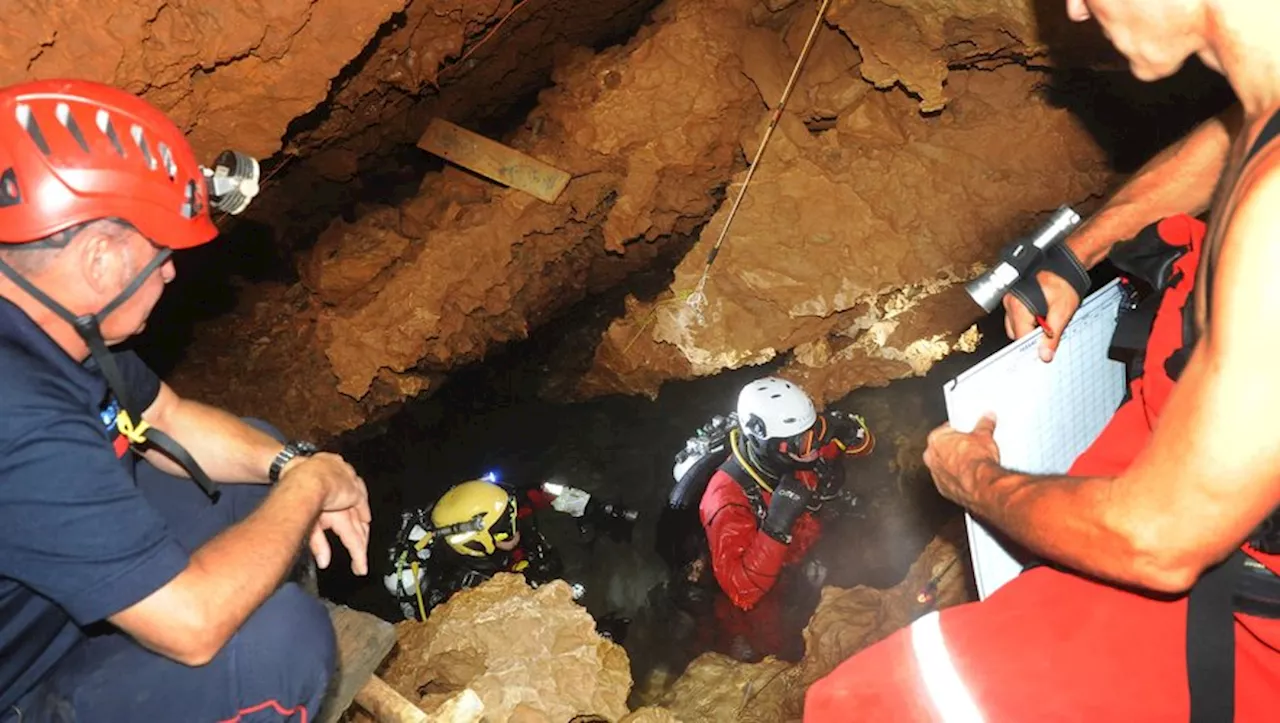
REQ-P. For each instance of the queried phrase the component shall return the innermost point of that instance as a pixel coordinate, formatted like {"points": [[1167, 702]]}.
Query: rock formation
{"points": [[408, 292], [916, 43], [557, 667], [863, 214], [530, 655], [232, 74], [851, 241]]}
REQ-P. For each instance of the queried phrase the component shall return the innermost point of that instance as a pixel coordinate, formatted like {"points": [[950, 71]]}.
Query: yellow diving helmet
{"points": [[464, 503]]}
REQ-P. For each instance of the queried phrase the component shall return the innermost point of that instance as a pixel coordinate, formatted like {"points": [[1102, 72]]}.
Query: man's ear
{"points": [[102, 260]]}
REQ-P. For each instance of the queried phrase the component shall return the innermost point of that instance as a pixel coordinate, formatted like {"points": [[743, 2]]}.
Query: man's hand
{"points": [[1063, 301], [955, 457], [345, 507], [351, 529]]}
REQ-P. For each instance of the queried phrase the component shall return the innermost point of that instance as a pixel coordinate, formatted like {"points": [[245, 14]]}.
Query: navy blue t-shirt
{"points": [[78, 542]]}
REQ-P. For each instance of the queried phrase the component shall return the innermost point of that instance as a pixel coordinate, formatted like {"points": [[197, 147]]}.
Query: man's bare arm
{"points": [[1211, 471], [194, 614], [227, 449], [1179, 179]]}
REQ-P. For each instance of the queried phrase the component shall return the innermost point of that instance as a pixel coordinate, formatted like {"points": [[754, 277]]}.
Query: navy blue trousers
{"points": [[275, 668]]}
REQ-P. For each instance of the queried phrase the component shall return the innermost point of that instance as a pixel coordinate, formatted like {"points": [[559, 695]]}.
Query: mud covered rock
{"points": [[530, 655], [534, 655], [853, 222], [231, 74], [650, 715], [716, 687], [647, 130], [851, 244], [915, 43]]}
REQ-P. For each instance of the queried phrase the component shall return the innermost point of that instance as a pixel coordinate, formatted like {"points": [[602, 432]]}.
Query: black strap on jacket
{"points": [[1211, 640], [129, 422], [738, 474], [1215, 597]]}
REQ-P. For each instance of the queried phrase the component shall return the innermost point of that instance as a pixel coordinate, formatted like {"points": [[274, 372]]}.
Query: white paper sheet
{"points": [[1046, 414]]}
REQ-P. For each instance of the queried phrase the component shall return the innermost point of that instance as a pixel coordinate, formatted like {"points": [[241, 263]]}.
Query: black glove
{"points": [[1060, 261], [840, 425], [830, 482], [850, 429], [790, 498]]}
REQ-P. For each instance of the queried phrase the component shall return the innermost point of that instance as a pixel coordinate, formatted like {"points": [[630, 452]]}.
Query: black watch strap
{"points": [[291, 450]]}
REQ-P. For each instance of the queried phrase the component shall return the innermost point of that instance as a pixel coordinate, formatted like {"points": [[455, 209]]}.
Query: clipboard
{"points": [[1046, 414]]}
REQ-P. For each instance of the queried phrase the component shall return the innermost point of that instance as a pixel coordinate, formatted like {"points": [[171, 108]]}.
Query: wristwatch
{"points": [[293, 449]]}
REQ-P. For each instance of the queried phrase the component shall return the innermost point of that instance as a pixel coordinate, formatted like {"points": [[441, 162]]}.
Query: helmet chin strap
{"points": [[129, 422], [764, 462]]}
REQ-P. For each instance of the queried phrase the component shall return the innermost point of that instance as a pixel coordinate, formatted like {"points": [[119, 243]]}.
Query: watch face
{"points": [[305, 448]]}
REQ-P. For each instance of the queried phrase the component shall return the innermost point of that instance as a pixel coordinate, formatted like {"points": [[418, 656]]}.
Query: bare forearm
{"points": [[238, 570], [1079, 522], [228, 450], [1180, 179]]}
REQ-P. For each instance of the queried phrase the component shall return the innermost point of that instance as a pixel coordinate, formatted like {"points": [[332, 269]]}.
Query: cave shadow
{"points": [[207, 286], [1130, 119]]}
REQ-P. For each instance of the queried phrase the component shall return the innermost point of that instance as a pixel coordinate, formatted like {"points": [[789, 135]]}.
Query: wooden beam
{"points": [[386, 705], [493, 160], [364, 641]]}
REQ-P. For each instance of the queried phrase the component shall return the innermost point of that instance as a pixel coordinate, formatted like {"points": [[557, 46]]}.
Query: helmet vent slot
{"points": [[10, 194], [189, 207], [28, 121], [140, 138], [63, 113], [108, 129], [166, 157]]}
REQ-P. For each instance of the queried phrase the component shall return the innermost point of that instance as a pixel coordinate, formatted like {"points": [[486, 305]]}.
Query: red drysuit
{"points": [[745, 560], [1051, 646]]}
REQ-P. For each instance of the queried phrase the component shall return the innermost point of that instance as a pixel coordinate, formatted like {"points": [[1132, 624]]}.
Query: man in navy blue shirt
{"points": [[126, 592]]}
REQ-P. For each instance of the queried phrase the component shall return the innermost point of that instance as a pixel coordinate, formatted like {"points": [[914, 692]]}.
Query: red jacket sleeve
{"points": [[537, 499], [745, 560]]}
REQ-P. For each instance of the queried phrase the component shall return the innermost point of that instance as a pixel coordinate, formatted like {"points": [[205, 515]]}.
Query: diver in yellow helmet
{"points": [[496, 509], [481, 527]]}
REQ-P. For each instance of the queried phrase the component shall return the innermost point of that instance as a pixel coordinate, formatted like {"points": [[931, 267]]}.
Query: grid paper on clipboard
{"points": [[1046, 414]]}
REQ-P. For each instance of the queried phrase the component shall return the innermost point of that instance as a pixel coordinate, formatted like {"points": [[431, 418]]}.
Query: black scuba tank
{"points": [[694, 465], [680, 536]]}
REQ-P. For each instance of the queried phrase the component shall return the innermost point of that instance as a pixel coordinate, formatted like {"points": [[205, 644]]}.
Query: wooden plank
{"points": [[493, 160], [386, 705], [364, 641]]}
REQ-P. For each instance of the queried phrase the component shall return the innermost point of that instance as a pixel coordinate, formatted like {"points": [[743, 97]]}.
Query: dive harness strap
{"points": [[1239, 584], [1211, 640], [743, 477], [129, 422]]}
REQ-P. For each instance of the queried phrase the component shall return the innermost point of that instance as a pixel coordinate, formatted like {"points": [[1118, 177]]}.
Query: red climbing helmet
{"points": [[73, 151]]}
